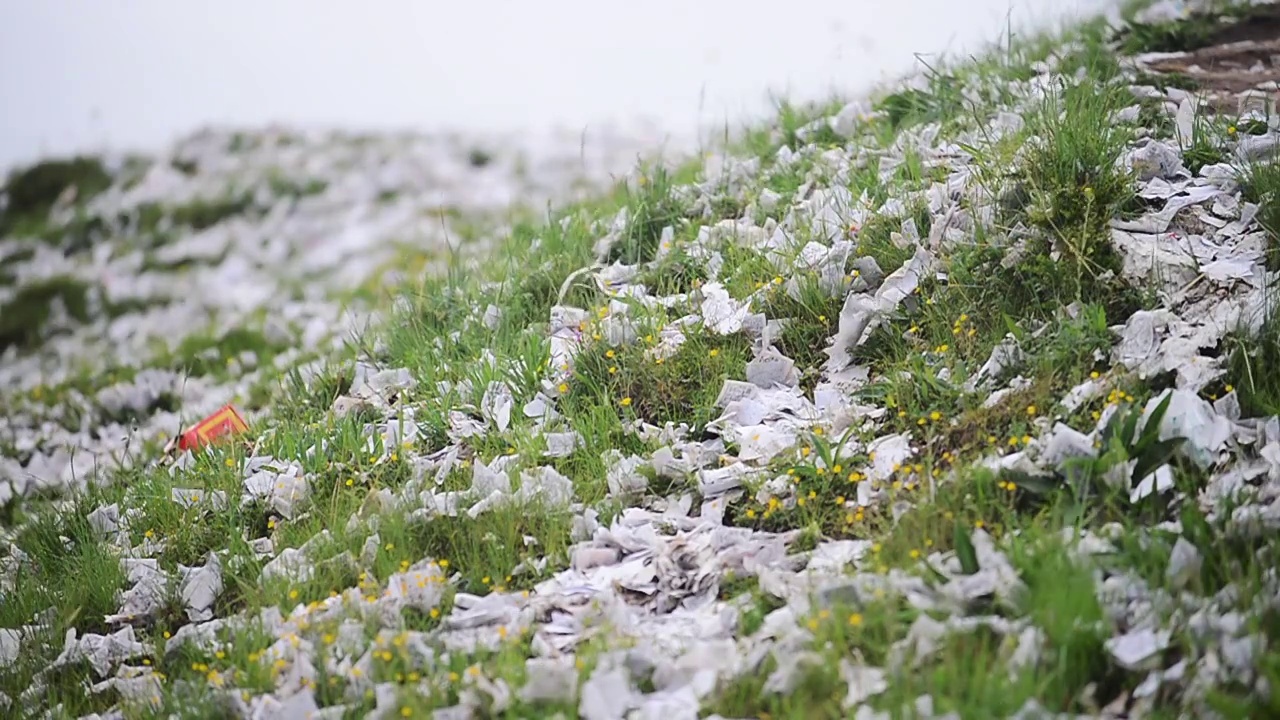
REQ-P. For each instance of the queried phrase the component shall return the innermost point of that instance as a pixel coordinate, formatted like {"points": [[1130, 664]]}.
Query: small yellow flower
{"points": [[1231, 130], [613, 369], [293, 594], [564, 388], [915, 554], [1094, 375], [350, 482], [1031, 409], [1229, 387], [626, 402], [230, 462], [390, 546], [609, 354], [714, 352], [979, 525], [935, 416], [444, 563]]}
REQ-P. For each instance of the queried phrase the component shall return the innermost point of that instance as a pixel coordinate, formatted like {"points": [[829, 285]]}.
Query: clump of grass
{"points": [[1206, 146], [23, 318], [939, 100], [31, 192], [637, 383], [202, 214], [1198, 30], [1249, 364], [1260, 183], [1076, 186], [199, 355], [651, 206], [677, 272]]}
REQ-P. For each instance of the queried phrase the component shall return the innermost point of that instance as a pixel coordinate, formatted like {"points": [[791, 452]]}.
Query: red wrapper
{"points": [[226, 421]]}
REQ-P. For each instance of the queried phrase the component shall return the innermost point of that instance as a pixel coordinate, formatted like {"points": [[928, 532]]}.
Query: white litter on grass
{"points": [[282, 486], [649, 584]]}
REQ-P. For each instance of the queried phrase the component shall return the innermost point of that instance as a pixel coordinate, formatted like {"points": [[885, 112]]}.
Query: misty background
{"points": [[136, 74]]}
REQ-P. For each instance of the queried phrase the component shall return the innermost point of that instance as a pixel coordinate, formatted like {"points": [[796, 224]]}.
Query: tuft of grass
{"points": [[1209, 25], [1075, 186], [31, 192], [651, 207], [202, 214], [1248, 361], [24, 316], [1260, 183], [939, 100], [637, 382]]}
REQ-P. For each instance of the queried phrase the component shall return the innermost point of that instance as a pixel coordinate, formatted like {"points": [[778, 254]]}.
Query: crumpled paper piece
{"points": [[148, 594], [282, 485], [200, 588], [101, 651], [861, 312]]}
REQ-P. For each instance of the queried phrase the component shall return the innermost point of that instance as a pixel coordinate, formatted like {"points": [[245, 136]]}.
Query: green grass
{"points": [[23, 317], [1194, 31], [32, 191], [1055, 292]]}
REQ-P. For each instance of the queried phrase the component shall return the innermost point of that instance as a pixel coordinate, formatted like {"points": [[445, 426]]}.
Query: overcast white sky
{"points": [[75, 74]]}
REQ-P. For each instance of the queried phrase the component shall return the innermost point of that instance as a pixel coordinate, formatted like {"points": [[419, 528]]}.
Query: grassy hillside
{"points": [[959, 398]]}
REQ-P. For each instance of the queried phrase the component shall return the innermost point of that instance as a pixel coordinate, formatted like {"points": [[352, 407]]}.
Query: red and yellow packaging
{"points": [[225, 421]]}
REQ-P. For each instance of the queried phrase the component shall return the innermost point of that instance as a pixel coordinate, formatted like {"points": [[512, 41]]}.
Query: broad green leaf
{"points": [[1155, 456], [965, 551]]}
